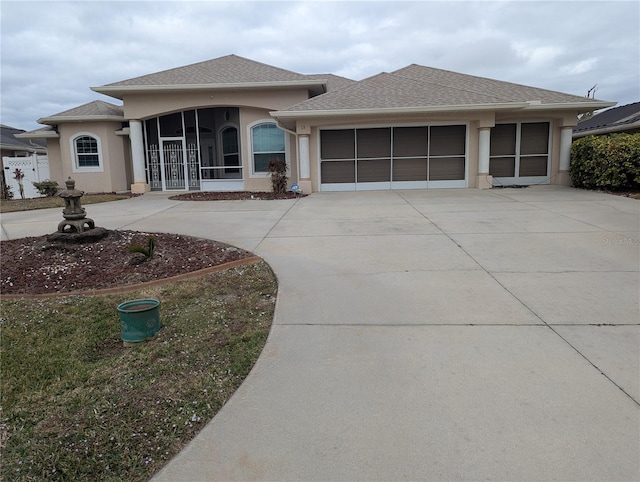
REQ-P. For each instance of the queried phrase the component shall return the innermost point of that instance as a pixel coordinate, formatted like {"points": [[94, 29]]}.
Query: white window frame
{"points": [[262, 175], [74, 154]]}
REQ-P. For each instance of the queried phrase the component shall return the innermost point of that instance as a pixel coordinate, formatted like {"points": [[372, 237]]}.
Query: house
{"points": [[11, 146], [26, 155], [215, 125], [625, 118]]}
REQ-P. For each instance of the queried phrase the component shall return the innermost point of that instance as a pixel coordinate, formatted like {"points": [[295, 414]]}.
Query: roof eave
{"points": [[607, 129], [38, 135], [580, 106], [284, 114], [118, 91], [54, 120]]}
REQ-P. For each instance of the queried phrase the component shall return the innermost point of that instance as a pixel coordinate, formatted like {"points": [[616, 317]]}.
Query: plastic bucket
{"points": [[139, 319]]}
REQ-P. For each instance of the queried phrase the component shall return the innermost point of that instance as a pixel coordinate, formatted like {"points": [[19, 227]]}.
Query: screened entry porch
{"points": [[193, 150]]}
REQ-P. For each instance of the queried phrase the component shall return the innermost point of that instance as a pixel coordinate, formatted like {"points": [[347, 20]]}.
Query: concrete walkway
{"points": [[424, 335]]}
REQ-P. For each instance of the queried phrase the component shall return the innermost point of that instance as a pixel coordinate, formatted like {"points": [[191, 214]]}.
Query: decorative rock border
{"points": [[128, 288]]}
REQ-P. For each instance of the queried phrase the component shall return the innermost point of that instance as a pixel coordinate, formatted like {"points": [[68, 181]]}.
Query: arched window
{"points": [[86, 152], [267, 142], [230, 151]]}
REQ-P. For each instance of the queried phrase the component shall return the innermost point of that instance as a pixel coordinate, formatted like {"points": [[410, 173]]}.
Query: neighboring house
{"points": [[625, 118], [215, 125], [13, 148]]}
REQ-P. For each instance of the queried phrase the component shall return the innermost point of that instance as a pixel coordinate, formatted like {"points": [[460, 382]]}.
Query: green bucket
{"points": [[139, 319]]}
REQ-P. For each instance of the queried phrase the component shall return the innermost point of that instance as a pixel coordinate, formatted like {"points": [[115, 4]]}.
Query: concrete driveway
{"points": [[424, 335]]}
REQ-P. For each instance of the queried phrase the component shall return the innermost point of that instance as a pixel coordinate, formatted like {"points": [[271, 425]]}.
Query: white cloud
{"points": [[50, 60]]}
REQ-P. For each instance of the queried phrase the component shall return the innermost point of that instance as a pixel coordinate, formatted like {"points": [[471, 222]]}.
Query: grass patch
{"points": [[13, 205], [79, 405]]}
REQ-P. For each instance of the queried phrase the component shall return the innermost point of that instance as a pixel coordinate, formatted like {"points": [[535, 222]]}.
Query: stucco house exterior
{"points": [[215, 125]]}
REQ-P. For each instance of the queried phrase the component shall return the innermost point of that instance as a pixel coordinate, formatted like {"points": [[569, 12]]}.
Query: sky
{"points": [[53, 52]]}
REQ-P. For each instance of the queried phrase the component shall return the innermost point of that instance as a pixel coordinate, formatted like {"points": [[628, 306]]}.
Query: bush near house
{"points": [[606, 162], [47, 188]]}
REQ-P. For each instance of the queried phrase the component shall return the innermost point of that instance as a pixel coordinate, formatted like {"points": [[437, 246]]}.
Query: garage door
{"points": [[520, 153], [413, 157]]}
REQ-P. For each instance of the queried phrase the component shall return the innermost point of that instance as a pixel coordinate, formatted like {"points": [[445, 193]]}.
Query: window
{"points": [[268, 143], [86, 152]]}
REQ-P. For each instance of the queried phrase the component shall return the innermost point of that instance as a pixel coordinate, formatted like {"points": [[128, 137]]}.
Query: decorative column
{"points": [[304, 162], [139, 185], [484, 180], [566, 133]]}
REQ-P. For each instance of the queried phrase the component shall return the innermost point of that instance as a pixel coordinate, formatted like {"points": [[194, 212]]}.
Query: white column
{"points": [[137, 156], [565, 147], [303, 152], [484, 142]]}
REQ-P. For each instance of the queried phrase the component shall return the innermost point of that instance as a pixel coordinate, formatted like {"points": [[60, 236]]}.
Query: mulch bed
{"points": [[233, 196], [35, 265]]}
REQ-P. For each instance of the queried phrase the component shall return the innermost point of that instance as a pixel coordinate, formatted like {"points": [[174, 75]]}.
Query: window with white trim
{"points": [[267, 143], [87, 153]]}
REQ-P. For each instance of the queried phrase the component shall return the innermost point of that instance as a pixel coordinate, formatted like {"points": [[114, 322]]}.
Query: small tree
{"points": [[278, 174], [18, 175]]}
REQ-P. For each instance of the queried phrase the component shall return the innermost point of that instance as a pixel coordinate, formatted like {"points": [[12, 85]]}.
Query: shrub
{"points": [[606, 162], [46, 188], [278, 174], [148, 251]]}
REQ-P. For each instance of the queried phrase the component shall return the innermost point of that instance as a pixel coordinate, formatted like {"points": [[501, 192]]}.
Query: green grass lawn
{"points": [[13, 205], [79, 405]]}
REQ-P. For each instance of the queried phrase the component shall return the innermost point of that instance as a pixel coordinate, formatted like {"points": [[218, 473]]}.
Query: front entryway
{"points": [[193, 150]]}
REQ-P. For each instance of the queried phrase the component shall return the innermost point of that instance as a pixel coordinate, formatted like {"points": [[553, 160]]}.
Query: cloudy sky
{"points": [[54, 51]]}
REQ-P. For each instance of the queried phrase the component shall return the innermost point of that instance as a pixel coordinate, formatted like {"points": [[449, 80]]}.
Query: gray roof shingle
{"points": [[94, 108], [9, 142], [230, 69], [618, 117], [416, 86]]}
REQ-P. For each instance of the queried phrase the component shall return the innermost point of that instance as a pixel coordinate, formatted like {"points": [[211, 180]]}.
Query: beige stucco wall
{"points": [[261, 182], [143, 106], [55, 162], [113, 176]]}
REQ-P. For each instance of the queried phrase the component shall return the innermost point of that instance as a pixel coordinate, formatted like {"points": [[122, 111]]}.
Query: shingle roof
{"points": [[230, 69], [416, 86], [506, 91], [616, 119], [334, 82], [9, 142], [385, 91], [96, 109]]}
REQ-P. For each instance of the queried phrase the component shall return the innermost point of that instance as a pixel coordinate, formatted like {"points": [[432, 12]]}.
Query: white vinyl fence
{"points": [[35, 169]]}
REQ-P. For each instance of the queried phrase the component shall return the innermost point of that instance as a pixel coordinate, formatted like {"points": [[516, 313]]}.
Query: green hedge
{"points": [[606, 162]]}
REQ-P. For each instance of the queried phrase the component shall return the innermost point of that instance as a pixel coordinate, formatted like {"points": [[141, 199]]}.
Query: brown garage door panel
{"points": [[335, 172], [410, 169], [502, 167], [374, 170], [446, 169], [533, 166]]}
